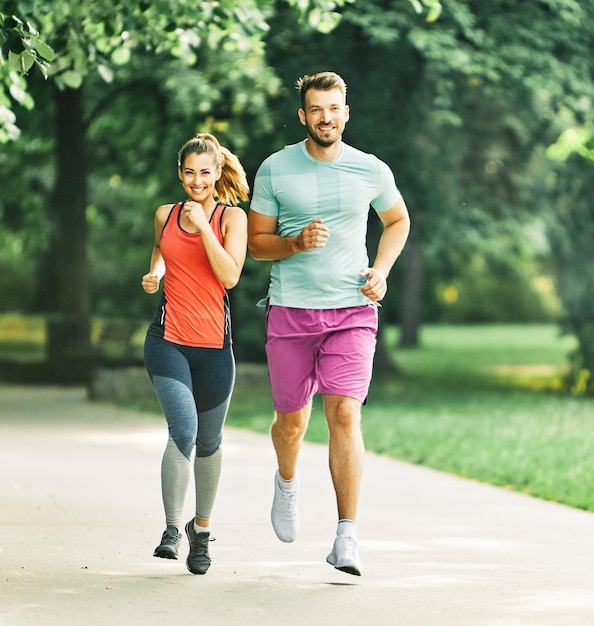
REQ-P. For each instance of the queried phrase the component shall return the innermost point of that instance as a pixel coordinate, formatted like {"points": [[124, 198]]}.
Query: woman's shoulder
{"points": [[163, 212], [234, 216], [166, 208], [233, 212]]}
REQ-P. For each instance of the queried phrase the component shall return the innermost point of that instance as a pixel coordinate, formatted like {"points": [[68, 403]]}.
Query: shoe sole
{"points": [[346, 568], [349, 569], [166, 554], [201, 573]]}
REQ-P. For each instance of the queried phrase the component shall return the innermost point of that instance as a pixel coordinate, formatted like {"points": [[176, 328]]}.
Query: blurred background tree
{"points": [[91, 40], [464, 108]]}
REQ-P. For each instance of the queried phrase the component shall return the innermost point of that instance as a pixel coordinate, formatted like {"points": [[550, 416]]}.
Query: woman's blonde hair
{"points": [[232, 186]]}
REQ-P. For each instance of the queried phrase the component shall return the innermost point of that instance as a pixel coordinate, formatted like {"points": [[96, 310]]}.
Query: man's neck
{"points": [[323, 153]]}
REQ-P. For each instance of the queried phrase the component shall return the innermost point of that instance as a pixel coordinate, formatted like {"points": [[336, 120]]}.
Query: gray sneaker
{"points": [[345, 555], [284, 515], [169, 546], [198, 560]]}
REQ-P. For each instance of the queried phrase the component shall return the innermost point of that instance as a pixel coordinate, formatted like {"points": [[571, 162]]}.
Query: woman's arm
{"points": [[227, 260], [150, 281]]}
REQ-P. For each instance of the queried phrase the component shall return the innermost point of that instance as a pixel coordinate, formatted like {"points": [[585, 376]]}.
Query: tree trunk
{"points": [[411, 294], [383, 363], [69, 344]]}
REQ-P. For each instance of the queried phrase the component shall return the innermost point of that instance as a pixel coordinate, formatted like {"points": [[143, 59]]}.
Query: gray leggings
{"points": [[194, 387]]}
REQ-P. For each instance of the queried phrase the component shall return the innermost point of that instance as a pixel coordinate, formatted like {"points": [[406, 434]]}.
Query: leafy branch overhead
{"points": [[67, 40], [21, 49]]}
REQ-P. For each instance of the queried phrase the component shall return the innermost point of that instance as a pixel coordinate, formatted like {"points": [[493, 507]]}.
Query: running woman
{"points": [[200, 248]]}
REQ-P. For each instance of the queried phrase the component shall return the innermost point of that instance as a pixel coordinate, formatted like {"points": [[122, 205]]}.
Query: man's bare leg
{"points": [[346, 453], [287, 433]]}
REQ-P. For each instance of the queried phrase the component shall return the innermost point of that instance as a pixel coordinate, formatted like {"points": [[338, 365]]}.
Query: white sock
{"points": [[346, 527], [201, 529], [287, 485]]}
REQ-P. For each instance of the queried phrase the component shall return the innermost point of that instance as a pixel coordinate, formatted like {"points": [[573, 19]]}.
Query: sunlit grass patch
{"points": [[22, 338], [20, 328], [543, 377]]}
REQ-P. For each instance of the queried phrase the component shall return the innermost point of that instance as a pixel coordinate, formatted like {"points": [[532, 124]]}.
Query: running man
{"points": [[309, 215]]}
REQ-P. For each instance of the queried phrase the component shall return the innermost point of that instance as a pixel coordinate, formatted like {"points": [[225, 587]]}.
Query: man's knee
{"points": [[342, 412], [291, 425]]}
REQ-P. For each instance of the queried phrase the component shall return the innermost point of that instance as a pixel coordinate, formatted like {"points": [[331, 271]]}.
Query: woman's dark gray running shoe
{"points": [[198, 560], [169, 546]]}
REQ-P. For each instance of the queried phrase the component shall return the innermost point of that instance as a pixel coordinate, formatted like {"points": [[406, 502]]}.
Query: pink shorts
{"points": [[329, 351]]}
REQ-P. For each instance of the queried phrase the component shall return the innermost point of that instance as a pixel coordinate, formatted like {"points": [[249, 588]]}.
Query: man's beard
{"points": [[324, 143]]}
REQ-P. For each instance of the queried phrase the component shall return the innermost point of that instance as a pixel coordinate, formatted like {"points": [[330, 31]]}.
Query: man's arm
{"points": [[265, 245], [396, 223]]}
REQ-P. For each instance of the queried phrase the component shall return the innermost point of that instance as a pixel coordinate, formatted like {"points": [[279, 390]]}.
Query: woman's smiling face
{"points": [[199, 174]]}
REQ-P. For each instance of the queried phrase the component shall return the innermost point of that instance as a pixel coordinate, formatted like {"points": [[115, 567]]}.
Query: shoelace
{"points": [[199, 545], [288, 497], [169, 535], [350, 547]]}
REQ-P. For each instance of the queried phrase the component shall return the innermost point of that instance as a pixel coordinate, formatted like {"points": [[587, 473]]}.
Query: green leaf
{"points": [[26, 61], [43, 67], [417, 6], [71, 79], [120, 56], [14, 59], [323, 22], [434, 12], [17, 92], [106, 73], [44, 50]]}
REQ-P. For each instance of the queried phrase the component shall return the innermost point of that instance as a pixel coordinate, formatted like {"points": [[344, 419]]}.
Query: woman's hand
{"points": [[150, 283], [194, 213]]}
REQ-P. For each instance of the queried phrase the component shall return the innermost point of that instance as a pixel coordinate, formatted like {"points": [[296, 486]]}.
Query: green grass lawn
{"points": [[479, 401], [482, 402]]}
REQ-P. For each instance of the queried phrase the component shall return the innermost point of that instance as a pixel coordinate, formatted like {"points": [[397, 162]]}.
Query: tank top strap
{"points": [[216, 220], [173, 216], [218, 211]]}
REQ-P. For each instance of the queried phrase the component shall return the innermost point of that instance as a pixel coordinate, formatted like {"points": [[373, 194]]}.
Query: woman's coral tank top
{"points": [[195, 309]]}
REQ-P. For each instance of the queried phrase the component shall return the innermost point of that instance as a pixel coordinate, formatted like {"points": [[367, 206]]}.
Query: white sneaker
{"points": [[345, 555], [284, 515]]}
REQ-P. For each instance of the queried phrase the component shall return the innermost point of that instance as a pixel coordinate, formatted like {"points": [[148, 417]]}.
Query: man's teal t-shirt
{"points": [[296, 189]]}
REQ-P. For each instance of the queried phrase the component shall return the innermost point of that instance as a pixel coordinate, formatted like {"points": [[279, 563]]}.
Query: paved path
{"points": [[80, 514]]}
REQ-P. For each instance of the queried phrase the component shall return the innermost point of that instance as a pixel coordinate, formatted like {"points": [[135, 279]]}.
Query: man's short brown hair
{"points": [[322, 81]]}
